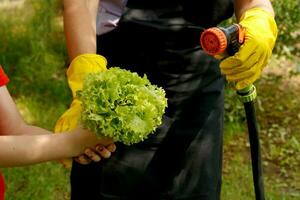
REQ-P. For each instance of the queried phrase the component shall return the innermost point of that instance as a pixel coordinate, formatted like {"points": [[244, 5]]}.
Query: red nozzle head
{"points": [[213, 41]]}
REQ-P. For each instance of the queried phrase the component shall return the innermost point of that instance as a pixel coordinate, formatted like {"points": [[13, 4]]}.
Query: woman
{"points": [[183, 159]]}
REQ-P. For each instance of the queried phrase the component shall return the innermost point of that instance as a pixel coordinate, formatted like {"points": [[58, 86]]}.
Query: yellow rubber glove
{"points": [[78, 69], [246, 65]]}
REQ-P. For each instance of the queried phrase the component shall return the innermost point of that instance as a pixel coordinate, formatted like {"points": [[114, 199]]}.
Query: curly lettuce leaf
{"points": [[122, 105]]}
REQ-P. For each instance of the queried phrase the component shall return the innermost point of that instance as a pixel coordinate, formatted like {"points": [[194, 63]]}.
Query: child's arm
{"points": [[31, 149], [11, 121], [24, 144]]}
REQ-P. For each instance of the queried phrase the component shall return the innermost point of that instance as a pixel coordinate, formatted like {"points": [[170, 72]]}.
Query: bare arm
{"points": [[80, 26], [32, 149], [241, 6], [11, 121]]}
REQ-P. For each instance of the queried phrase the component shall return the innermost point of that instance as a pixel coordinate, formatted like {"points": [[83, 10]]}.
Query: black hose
{"points": [[255, 150]]}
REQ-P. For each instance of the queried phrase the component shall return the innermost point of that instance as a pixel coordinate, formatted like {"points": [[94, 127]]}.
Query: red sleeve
{"points": [[3, 77], [2, 187]]}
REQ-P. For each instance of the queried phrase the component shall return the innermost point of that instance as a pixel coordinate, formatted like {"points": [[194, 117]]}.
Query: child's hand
{"points": [[96, 154], [91, 147]]}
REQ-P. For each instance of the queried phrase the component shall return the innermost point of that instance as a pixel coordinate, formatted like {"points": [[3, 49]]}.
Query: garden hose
{"points": [[227, 41]]}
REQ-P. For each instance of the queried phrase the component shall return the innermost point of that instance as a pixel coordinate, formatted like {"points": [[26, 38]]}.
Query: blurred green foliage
{"points": [[288, 22]]}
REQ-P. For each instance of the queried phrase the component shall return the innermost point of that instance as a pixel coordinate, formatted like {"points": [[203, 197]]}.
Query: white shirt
{"points": [[109, 14]]}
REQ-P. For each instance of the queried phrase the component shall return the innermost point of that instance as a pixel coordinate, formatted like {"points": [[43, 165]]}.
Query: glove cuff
{"points": [[261, 13], [255, 11], [81, 66]]}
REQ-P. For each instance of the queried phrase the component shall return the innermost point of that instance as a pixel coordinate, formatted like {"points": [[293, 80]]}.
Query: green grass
{"points": [[237, 175], [48, 181]]}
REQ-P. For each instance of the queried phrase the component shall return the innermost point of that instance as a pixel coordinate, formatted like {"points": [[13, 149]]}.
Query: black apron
{"points": [[183, 158]]}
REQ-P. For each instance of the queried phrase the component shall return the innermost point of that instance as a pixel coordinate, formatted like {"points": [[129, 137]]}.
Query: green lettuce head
{"points": [[121, 105]]}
